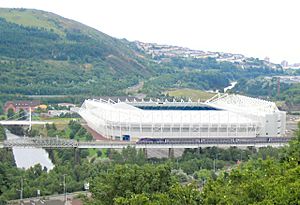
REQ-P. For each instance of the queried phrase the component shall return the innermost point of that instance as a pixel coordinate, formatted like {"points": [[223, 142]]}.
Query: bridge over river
{"points": [[160, 144]]}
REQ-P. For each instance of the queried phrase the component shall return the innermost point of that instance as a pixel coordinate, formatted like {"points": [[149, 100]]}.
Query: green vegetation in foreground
{"points": [[193, 94], [2, 133], [272, 179], [128, 178]]}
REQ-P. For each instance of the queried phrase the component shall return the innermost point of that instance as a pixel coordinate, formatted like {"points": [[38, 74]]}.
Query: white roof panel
{"points": [[124, 113]]}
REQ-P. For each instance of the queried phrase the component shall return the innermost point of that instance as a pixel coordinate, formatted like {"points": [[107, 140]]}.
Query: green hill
{"points": [[42, 53]]}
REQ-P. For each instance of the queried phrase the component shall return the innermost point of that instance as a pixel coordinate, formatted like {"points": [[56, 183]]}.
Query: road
{"points": [[60, 197]]}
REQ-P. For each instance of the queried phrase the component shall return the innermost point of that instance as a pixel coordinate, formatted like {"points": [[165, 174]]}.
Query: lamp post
{"points": [[241, 155], [214, 165], [21, 190], [214, 162], [65, 188]]}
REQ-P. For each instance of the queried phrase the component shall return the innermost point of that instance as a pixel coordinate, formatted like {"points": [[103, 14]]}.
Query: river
{"points": [[28, 157], [232, 84]]}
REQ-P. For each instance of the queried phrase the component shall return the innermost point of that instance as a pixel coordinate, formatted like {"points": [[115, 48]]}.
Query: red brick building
{"points": [[18, 105]]}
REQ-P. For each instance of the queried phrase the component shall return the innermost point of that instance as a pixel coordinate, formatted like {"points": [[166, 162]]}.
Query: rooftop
{"points": [[23, 103], [126, 113]]}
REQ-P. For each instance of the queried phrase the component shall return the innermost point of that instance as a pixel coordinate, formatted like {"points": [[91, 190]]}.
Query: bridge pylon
{"points": [[171, 153], [76, 155]]}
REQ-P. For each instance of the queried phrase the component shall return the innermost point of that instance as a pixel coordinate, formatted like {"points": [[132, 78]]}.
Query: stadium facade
{"points": [[223, 116]]}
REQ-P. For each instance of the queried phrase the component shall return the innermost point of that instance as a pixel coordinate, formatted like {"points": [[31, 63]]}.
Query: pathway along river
{"points": [[28, 157]]}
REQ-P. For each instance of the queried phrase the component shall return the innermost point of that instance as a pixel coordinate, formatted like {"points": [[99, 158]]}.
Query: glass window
{"points": [[203, 129], [175, 129], [146, 129], [185, 129], [166, 129]]}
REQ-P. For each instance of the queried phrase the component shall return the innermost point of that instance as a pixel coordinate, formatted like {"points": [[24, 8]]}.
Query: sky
{"points": [[255, 28]]}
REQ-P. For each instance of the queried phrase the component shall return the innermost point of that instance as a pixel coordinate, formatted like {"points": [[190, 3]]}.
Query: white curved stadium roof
{"points": [[126, 113]]}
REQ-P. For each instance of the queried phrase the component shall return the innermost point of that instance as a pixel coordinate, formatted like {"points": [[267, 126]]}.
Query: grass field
{"points": [[60, 123], [190, 93], [32, 18]]}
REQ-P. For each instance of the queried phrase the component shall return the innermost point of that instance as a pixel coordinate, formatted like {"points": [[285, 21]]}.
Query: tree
{"points": [[259, 181], [1, 108], [293, 152], [22, 114], [2, 133], [176, 195], [99, 153], [10, 113], [185, 195], [126, 180]]}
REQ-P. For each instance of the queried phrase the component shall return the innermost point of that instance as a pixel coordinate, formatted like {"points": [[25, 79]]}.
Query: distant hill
{"points": [[52, 37], [165, 52], [42, 53]]}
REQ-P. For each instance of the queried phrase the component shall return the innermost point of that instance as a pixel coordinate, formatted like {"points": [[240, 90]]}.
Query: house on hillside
{"points": [[16, 106]]}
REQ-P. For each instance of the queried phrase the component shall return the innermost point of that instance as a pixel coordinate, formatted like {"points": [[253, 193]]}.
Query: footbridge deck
{"points": [[24, 122]]}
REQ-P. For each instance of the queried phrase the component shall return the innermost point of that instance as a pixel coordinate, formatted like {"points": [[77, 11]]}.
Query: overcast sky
{"points": [[257, 28]]}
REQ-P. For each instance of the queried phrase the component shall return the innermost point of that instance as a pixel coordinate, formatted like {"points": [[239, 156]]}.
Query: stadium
{"points": [[223, 116]]}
